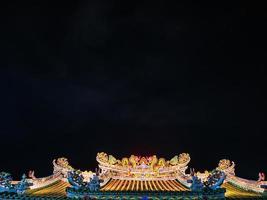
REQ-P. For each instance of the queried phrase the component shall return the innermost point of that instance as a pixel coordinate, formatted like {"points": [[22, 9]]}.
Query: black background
{"points": [[135, 77]]}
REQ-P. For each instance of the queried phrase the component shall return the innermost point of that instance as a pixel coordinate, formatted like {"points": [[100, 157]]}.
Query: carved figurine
{"points": [[76, 179], [213, 182], [94, 184], [215, 179]]}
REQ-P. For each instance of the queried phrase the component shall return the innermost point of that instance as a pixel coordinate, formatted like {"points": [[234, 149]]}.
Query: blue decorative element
{"points": [[94, 184], [5, 183], [205, 194], [76, 180], [7, 186], [196, 185], [23, 185], [215, 179], [144, 198]]}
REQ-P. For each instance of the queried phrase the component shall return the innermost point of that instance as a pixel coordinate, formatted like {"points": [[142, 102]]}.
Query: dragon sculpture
{"points": [[103, 157], [142, 167], [125, 162], [133, 160], [226, 166], [64, 163], [152, 161], [182, 159], [62, 166]]}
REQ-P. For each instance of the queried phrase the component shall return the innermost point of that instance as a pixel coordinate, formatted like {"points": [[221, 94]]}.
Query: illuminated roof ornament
{"points": [[134, 177], [140, 168], [227, 166]]}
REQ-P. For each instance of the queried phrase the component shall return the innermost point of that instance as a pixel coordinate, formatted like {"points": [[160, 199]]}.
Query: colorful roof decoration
{"points": [[143, 168], [135, 177]]}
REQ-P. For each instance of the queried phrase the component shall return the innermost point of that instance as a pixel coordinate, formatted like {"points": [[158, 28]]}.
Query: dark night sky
{"points": [[147, 78]]}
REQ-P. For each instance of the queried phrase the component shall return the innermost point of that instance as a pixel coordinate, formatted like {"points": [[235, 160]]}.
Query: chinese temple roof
{"points": [[57, 190], [136, 177]]}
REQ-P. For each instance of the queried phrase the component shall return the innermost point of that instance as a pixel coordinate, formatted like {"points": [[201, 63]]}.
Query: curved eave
{"points": [[233, 192], [57, 190], [138, 185]]}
